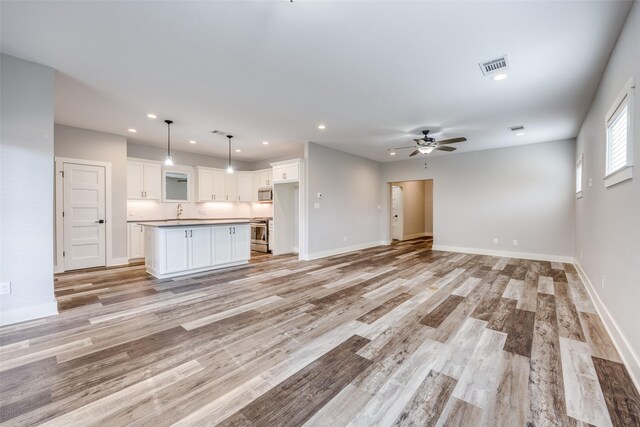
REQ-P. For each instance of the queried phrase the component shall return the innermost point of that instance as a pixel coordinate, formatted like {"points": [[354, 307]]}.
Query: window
{"points": [[579, 179], [620, 138]]}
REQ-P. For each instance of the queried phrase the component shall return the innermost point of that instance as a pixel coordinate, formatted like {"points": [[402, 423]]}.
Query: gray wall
{"points": [[608, 219], [26, 189], [349, 206], [266, 164], [149, 152], [104, 147], [523, 193]]}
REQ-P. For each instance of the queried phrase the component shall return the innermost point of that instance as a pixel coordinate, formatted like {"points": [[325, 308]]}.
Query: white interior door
{"points": [[84, 216], [396, 213]]}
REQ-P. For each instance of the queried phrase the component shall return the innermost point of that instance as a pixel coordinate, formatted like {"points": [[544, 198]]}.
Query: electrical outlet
{"points": [[495, 241], [602, 282], [515, 242], [5, 288], [345, 238]]}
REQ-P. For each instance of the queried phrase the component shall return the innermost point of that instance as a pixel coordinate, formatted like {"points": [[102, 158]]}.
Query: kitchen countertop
{"points": [[187, 222]]}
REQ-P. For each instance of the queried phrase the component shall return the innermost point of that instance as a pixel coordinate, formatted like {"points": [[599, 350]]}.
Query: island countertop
{"points": [[192, 222]]}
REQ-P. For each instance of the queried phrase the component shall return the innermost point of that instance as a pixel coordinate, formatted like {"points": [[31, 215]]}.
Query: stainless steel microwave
{"points": [[265, 194]]}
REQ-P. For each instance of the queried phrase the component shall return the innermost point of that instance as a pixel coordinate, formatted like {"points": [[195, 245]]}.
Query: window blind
{"points": [[617, 141]]}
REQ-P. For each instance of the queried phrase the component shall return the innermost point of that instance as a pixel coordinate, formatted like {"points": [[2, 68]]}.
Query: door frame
{"points": [[58, 266], [401, 213]]}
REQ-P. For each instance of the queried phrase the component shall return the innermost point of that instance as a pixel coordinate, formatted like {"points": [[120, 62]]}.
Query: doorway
{"points": [[397, 217], [84, 216], [411, 210]]}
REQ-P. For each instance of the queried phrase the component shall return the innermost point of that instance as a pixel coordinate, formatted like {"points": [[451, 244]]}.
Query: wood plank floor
{"points": [[393, 335]]}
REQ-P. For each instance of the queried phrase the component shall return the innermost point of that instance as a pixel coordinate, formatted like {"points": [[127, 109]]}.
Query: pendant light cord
{"points": [[168, 122], [229, 136]]}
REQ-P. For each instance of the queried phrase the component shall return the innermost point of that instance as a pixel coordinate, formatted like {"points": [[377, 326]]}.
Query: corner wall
{"points": [[608, 219], [350, 204], [26, 190], [522, 193]]}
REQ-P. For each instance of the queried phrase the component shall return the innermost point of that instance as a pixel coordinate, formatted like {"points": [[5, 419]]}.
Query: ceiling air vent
{"points": [[516, 128], [494, 66]]}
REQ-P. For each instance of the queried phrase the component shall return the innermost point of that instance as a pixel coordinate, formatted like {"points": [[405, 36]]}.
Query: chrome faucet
{"points": [[179, 210]]}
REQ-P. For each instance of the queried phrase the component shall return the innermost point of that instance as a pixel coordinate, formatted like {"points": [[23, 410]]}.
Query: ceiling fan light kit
{"points": [[427, 144]]}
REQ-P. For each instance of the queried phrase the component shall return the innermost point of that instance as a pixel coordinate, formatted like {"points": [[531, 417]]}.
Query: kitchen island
{"points": [[176, 248]]}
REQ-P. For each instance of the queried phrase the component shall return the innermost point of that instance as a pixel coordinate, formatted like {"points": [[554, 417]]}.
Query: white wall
{"points": [[349, 207], [87, 144], [608, 219], [523, 193], [26, 190]]}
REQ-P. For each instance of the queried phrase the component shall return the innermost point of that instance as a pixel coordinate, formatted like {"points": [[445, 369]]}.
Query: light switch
{"points": [[316, 206]]}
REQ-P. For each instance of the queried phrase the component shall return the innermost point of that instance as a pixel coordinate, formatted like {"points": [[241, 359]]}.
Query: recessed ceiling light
{"points": [[192, 142], [265, 142], [238, 150], [499, 77], [152, 116], [519, 133], [132, 130], [393, 153], [321, 127]]}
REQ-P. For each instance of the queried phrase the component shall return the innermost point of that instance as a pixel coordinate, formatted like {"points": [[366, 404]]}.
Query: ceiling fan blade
{"points": [[452, 140], [446, 148], [414, 153], [404, 148], [419, 140]]}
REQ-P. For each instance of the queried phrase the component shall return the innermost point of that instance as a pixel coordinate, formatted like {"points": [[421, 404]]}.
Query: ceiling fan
{"points": [[427, 144]]}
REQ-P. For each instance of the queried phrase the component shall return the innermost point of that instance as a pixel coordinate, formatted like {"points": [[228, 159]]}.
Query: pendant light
{"points": [[229, 167], [169, 160]]}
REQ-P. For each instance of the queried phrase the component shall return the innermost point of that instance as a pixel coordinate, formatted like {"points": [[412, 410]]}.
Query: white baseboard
{"points": [[117, 261], [343, 250], [507, 254], [630, 359], [8, 317]]}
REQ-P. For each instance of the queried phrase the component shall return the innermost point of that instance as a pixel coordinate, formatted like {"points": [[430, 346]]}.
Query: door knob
{"points": [[100, 221]]}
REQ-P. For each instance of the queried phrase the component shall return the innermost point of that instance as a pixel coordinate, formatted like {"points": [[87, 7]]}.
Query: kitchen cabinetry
{"points": [[286, 171], [214, 185], [135, 240], [244, 187], [173, 250], [144, 180]]}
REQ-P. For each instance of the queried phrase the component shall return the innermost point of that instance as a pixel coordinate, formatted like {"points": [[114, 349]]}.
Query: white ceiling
{"points": [[373, 72]]}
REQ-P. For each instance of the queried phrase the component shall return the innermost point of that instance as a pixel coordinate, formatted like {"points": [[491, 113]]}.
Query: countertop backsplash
{"points": [[141, 210]]}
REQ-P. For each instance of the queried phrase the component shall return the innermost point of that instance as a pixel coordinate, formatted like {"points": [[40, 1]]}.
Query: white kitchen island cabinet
{"points": [[176, 248]]}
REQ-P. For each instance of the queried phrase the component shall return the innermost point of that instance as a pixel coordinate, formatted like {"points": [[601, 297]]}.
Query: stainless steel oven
{"points": [[260, 235]]}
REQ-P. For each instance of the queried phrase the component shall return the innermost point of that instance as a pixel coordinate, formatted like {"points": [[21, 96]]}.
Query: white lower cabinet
{"points": [[135, 241], [172, 251]]}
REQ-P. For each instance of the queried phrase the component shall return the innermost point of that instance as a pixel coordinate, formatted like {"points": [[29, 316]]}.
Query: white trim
{"points": [[626, 94], [343, 250], [619, 340], [507, 254], [23, 314], [59, 205], [623, 174]]}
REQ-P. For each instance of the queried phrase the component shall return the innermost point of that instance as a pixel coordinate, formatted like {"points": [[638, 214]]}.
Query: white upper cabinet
{"points": [[219, 186], [231, 186], [286, 171], [244, 181], [144, 180], [204, 182]]}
